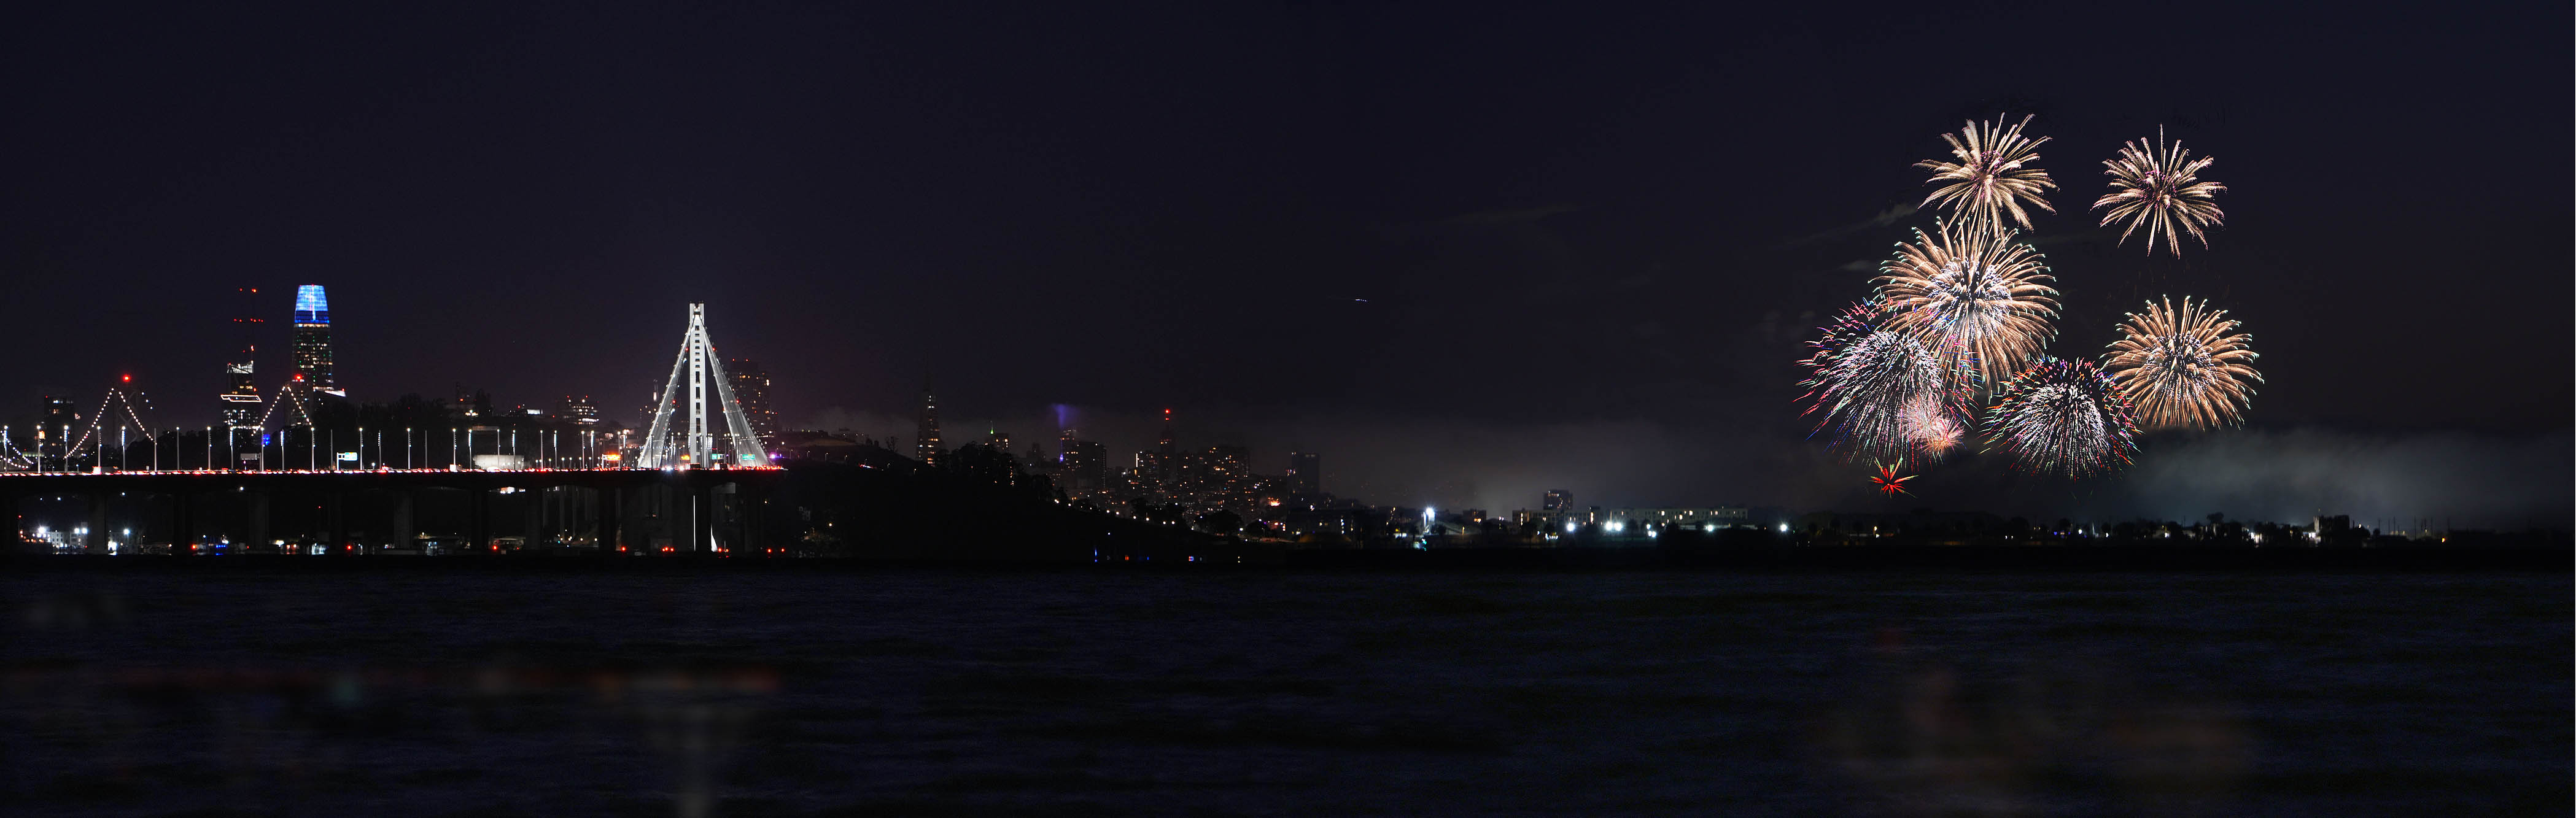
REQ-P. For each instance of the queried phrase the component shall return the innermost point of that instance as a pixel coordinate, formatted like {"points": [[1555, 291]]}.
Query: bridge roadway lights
{"points": [[693, 509]]}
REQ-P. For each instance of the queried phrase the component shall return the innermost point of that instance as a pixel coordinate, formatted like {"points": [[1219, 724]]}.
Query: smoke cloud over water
{"points": [[2391, 481], [2396, 481], [2448, 479]]}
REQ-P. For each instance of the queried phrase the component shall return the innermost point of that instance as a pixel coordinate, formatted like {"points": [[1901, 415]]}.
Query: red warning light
{"points": [[129, 379]]}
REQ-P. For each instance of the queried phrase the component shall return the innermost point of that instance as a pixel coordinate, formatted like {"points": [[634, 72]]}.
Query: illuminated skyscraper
{"points": [[1082, 465], [1167, 454], [54, 433], [1162, 464], [241, 401], [1305, 473], [925, 442], [751, 389], [241, 398], [313, 340]]}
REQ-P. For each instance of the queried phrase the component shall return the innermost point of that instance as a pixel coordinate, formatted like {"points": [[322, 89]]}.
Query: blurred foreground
{"points": [[1283, 692]]}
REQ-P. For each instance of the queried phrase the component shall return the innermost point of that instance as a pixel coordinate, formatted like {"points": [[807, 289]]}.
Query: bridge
{"points": [[609, 511], [682, 488]]}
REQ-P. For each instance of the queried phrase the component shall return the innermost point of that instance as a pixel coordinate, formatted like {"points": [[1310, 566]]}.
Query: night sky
{"points": [[1467, 253]]}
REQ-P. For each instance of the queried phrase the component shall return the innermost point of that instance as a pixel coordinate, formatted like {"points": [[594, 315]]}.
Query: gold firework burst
{"points": [[2158, 187], [1978, 294], [1993, 176], [2183, 366]]}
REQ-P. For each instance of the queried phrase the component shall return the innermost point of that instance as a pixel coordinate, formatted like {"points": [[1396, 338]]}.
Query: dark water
{"points": [[1284, 693]]}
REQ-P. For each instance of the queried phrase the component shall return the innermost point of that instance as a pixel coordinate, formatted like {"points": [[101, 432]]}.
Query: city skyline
{"points": [[311, 355], [1561, 275], [1299, 408]]}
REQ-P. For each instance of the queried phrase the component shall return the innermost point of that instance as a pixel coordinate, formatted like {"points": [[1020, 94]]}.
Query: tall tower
{"points": [[668, 448], [1167, 455], [240, 401], [925, 441], [313, 341]]}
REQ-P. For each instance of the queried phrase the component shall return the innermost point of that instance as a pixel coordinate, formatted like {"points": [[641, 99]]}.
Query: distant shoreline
{"points": [[2537, 557]]}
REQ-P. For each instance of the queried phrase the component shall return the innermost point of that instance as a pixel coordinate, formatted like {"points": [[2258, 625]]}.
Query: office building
{"points": [[240, 398], [577, 410], [54, 434], [1085, 468], [1305, 473], [751, 392]]}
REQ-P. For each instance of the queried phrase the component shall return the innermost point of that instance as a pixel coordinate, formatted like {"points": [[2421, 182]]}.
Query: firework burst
{"points": [[1933, 427], [1982, 295], [1888, 483], [2065, 417], [2158, 187], [2183, 366], [1993, 177], [1873, 384]]}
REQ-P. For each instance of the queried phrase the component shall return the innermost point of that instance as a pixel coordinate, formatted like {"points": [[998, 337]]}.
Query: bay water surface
{"points": [[1079, 692]]}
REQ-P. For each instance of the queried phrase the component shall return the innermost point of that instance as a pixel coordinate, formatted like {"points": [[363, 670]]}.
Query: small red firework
{"points": [[1890, 484]]}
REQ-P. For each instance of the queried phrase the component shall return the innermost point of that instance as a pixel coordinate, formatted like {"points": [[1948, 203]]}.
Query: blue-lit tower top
{"points": [[314, 369], [311, 308]]}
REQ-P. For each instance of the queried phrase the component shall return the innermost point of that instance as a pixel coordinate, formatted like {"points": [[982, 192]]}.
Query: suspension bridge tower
{"points": [[669, 447]]}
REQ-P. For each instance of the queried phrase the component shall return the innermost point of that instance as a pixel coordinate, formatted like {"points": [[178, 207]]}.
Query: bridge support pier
{"points": [[405, 533], [612, 520], [17, 524], [478, 523], [183, 523], [96, 541], [339, 521], [532, 516], [255, 507], [702, 524]]}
